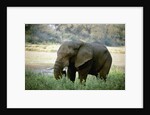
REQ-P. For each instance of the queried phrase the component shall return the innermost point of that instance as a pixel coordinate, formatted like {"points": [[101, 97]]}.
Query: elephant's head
{"points": [[68, 50]]}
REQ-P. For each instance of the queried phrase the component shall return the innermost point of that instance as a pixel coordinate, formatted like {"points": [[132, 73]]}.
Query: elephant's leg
{"points": [[103, 75], [96, 75], [105, 69], [82, 77], [71, 73], [83, 73]]}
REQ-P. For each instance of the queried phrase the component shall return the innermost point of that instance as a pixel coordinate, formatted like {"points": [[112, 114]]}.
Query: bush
{"points": [[40, 81]]}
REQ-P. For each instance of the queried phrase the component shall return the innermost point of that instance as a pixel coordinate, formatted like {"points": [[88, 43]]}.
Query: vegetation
{"points": [[40, 81], [108, 34], [51, 47]]}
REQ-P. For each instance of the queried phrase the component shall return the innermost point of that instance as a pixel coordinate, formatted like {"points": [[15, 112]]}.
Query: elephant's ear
{"points": [[84, 54]]}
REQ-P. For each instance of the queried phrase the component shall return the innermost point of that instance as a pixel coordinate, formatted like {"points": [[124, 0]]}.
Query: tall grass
{"points": [[40, 81]]}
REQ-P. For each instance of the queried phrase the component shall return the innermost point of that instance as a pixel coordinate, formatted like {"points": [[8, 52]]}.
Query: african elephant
{"points": [[85, 58]]}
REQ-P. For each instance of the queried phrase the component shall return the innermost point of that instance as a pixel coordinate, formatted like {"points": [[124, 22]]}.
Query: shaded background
{"points": [[108, 34]]}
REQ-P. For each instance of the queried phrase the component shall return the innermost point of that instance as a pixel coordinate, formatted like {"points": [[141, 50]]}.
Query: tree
{"points": [[109, 34]]}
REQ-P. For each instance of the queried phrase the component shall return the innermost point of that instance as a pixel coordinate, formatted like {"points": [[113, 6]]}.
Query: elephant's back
{"points": [[99, 48]]}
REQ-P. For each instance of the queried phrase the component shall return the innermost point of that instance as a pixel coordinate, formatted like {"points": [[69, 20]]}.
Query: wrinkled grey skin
{"points": [[85, 58]]}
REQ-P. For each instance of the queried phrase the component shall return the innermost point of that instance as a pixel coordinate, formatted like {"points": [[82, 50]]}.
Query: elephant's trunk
{"points": [[58, 68]]}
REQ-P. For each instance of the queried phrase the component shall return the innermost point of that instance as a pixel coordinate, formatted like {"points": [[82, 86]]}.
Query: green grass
{"points": [[40, 81]]}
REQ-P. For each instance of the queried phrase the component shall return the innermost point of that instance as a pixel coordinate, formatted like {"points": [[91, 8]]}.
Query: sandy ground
{"points": [[43, 61]]}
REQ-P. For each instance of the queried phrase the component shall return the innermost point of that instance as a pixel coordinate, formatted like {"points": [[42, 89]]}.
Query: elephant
{"points": [[82, 57]]}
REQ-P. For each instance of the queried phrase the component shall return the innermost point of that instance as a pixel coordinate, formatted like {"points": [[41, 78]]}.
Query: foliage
{"points": [[40, 81], [109, 34]]}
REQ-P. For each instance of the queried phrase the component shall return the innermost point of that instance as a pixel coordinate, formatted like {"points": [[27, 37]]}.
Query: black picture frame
{"points": [[108, 3]]}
